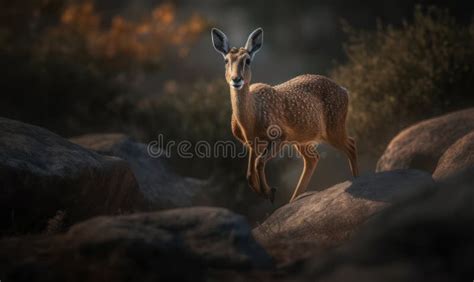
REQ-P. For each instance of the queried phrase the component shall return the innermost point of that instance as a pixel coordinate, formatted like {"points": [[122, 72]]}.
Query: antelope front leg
{"points": [[310, 158], [252, 176], [268, 153]]}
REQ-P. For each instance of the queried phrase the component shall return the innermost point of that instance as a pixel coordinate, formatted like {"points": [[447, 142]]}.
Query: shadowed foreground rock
{"points": [[174, 245], [428, 237], [42, 173], [457, 158], [159, 185], [329, 217], [420, 146]]}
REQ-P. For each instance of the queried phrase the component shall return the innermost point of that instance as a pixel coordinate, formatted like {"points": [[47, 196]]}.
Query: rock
{"points": [[330, 217], [173, 245], [158, 183], [42, 173], [457, 158], [426, 237], [421, 145]]}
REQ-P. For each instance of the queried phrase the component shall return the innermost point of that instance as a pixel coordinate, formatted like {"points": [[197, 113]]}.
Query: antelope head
{"points": [[237, 60]]}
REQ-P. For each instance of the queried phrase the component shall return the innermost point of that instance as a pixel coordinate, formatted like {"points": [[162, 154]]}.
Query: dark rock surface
{"points": [[42, 173], [420, 146], [427, 237], [174, 245], [331, 216], [158, 183]]}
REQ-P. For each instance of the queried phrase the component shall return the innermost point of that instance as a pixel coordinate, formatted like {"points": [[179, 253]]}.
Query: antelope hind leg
{"points": [[310, 158]]}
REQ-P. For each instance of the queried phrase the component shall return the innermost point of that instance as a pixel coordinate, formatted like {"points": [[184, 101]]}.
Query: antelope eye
{"points": [[247, 61], [226, 61]]}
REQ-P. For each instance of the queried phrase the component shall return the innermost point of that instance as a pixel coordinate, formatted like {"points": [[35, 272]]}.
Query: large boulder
{"points": [[158, 183], [426, 237], [457, 158], [421, 145], [329, 217], [173, 245], [42, 174]]}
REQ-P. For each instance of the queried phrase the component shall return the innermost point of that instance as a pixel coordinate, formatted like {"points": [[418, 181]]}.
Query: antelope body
{"points": [[305, 110]]}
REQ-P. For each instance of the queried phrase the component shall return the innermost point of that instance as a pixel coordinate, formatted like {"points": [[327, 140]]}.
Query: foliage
{"points": [[57, 94], [200, 111], [68, 65], [194, 113], [121, 44], [397, 76]]}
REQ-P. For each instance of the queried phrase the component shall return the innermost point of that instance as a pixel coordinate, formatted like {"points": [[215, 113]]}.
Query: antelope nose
{"points": [[236, 79]]}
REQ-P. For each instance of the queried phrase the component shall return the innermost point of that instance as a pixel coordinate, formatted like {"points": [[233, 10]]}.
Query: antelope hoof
{"points": [[255, 188], [249, 182]]}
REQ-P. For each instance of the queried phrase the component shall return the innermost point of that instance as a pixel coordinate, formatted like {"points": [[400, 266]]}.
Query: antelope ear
{"points": [[254, 42], [220, 42]]}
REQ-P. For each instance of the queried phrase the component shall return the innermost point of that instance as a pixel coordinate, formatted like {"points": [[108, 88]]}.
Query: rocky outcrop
{"points": [[42, 173], [457, 158], [427, 237], [421, 145], [331, 216], [174, 245], [158, 183]]}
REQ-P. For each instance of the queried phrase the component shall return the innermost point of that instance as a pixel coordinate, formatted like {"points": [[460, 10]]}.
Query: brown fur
{"points": [[303, 110]]}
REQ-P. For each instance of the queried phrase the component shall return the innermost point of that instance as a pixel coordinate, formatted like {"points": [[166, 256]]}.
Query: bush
{"points": [[200, 111], [55, 93], [397, 76], [121, 44], [68, 67], [194, 113]]}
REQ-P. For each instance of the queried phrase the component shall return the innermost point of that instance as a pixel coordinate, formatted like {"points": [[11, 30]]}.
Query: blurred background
{"points": [[145, 68]]}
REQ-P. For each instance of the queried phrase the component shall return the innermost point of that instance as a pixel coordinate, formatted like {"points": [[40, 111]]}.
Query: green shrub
{"points": [[397, 76]]}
